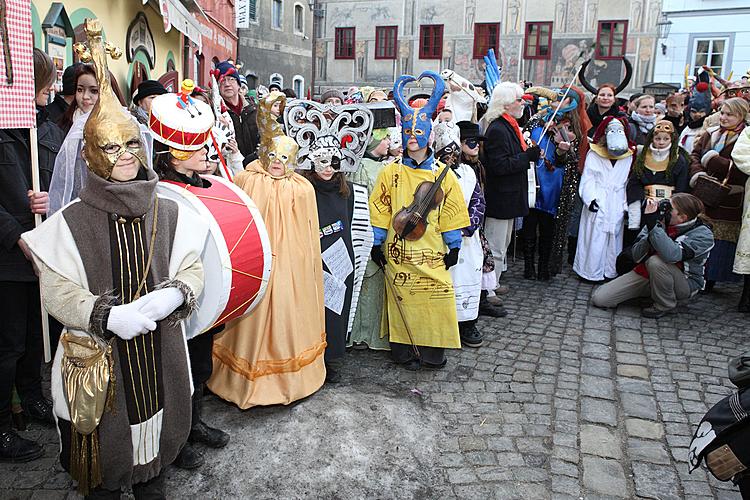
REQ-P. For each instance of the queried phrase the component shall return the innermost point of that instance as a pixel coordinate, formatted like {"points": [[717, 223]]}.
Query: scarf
{"points": [[514, 124], [645, 123], [659, 154], [727, 136], [236, 109]]}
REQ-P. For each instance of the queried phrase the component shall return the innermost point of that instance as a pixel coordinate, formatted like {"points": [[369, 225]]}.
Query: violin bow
{"points": [[557, 108], [397, 299]]}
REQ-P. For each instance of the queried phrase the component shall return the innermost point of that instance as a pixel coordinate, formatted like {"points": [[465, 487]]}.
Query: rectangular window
{"points": [[611, 39], [299, 19], [276, 11], [385, 42], [538, 41], [486, 37], [431, 41], [344, 43], [252, 10], [709, 52]]}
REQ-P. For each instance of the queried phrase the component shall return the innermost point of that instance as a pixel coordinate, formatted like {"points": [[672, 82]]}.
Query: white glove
{"points": [[127, 322], [159, 304]]}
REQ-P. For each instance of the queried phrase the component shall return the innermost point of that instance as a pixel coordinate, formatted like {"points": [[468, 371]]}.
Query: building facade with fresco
{"points": [[166, 40], [371, 42], [276, 44]]}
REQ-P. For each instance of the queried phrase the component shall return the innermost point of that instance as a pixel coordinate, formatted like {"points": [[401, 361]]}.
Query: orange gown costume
{"points": [[275, 355]]}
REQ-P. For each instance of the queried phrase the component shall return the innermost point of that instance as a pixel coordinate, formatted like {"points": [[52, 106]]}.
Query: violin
{"points": [[410, 223]]}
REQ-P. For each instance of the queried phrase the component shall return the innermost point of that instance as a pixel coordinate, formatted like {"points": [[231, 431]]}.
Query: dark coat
{"points": [[596, 118], [15, 181], [506, 166], [246, 130], [57, 108]]}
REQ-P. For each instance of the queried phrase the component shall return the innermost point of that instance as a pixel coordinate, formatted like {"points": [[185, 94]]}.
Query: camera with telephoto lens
{"points": [[664, 211]]}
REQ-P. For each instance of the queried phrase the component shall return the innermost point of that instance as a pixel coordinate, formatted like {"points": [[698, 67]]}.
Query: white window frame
{"points": [[276, 78], [299, 79], [710, 39], [280, 27], [294, 20]]}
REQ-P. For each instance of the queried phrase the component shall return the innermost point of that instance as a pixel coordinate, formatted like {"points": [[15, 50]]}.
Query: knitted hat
{"points": [[378, 135], [274, 86], [331, 93], [148, 88], [69, 79], [228, 69]]}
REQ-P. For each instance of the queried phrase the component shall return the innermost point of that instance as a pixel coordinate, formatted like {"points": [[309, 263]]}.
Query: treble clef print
{"points": [[394, 252], [385, 197]]}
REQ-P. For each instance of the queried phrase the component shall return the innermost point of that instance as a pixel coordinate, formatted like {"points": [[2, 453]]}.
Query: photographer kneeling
{"points": [[670, 252]]}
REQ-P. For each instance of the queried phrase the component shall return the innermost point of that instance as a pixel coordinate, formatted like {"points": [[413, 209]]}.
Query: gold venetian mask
{"points": [[283, 150], [110, 131]]}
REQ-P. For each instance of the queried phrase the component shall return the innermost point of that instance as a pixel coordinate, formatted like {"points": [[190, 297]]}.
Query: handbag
{"points": [[89, 384], [710, 191], [88, 380]]}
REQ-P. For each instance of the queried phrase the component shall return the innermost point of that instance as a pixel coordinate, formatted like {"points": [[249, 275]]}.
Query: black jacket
{"points": [[246, 129], [506, 166], [57, 108], [15, 181], [596, 118]]}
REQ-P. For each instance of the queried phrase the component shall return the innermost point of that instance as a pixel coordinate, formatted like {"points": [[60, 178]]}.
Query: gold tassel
{"points": [[110, 404], [96, 470], [85, 467]]}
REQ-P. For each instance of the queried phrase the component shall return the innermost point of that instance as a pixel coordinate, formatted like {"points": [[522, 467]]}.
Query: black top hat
{"points": [[469, 130]]}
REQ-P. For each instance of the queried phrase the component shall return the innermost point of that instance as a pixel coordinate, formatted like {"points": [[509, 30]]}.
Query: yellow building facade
{"points": [[160, 54]]}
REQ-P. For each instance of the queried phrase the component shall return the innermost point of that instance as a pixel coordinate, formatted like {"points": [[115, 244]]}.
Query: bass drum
{"points": [[237, 255]]}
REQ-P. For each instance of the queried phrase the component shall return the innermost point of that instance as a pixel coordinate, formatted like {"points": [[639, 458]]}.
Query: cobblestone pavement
{"points": [[563, 401]]}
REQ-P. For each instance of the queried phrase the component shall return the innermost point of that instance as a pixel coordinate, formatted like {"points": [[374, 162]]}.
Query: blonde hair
{"points": [[737, 106], [638, 100]]}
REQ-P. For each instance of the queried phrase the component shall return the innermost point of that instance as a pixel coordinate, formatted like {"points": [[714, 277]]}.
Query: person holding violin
{"points": [[557, 130], [417, 212]]}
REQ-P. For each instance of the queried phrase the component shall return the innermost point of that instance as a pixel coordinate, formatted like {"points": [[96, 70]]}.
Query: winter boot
{"points": [[189, 457], [487, 309], [470, 336], [202, 433], [529, 272], [14, 448]]}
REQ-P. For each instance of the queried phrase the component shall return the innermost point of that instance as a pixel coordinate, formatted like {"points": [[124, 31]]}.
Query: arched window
{"points": [[298, 85], [299, 19], [277, 79]]}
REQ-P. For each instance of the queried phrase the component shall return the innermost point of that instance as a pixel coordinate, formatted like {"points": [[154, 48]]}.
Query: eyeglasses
{"points": [[471, 143]]}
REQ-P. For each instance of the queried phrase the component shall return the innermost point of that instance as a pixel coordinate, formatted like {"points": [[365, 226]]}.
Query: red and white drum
{"points": [[237, 255]]}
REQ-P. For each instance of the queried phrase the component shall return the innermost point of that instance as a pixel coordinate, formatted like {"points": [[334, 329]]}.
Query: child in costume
{"points": [[123, 271], [659, 171], [181, 158], [420, 301], [366, 329], [275, 356], [602, 190], [333, 140], [467, 273]]}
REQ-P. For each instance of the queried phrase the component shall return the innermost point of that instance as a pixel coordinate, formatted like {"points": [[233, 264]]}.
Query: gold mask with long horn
{"points": [[110, 131]]}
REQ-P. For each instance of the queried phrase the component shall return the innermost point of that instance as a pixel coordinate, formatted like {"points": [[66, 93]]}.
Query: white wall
{"points": [[685, 28]]}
